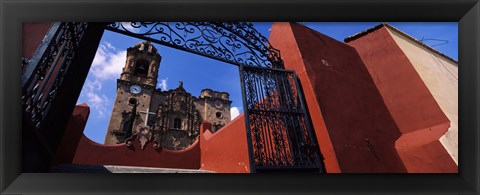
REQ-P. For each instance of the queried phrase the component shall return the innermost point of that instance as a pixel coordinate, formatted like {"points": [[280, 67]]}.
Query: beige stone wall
{"points": [[440, 75], [200, 106], [214, 107], [121, 104], [157, 98], [209, 107]]}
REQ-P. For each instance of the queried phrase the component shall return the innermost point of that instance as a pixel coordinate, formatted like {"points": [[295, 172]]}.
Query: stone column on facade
{"points": [[128, 69]]}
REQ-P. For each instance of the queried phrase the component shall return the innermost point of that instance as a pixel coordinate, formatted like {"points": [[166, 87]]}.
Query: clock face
{"points": [[135, 89]]}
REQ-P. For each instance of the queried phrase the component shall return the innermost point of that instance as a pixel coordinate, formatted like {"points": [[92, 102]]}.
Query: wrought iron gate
{"points": [[279, 131], [51, 82]]}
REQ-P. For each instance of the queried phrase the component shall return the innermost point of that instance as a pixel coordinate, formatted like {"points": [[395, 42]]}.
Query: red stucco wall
{"points": [[281, 37], [360, 127], [412, 106], [404, 92], [91, 153], [226, 151]]}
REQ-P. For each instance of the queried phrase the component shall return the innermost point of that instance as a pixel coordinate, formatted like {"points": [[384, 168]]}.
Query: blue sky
{"points": [[198, 72]]}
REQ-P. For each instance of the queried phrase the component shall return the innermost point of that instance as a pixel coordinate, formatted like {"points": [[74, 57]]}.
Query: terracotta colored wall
{"points": [[281, 37], [334, 77], [91, 153], [414, 109], [226, 151], [440, 76]]}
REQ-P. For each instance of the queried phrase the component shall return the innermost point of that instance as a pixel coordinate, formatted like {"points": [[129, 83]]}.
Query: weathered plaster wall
{"points": [[409, 101], [440, 75], [337, 83]]}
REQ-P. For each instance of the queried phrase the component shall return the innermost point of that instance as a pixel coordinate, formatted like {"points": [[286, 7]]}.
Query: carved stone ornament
{"points": [[144, 134]]}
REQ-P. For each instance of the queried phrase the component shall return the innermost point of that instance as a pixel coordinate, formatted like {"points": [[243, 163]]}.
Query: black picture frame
{"points": [[14, 12]]}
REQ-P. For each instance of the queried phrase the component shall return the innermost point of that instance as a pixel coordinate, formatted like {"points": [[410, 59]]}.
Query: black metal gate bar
{"points": [[45, 72], [310, 130], [232, 42], [51, 83], [279, 132], [247, 122]]}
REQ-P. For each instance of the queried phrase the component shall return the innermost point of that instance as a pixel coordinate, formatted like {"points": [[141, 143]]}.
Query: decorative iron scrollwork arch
{"points": [[237, 43]]}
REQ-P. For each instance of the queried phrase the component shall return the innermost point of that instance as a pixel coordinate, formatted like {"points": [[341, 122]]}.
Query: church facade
{"points": [[171, 118]]}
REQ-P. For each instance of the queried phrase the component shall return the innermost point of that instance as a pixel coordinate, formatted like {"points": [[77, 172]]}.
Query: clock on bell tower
{"points": [[134, 91]]}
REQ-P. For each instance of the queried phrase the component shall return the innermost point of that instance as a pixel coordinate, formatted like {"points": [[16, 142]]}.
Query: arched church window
{"points": [[177, 123], [141, 67]]}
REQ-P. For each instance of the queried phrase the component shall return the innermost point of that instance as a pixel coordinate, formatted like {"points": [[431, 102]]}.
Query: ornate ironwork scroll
{"points": [[44, 73], [232, 42], [278, 129]]}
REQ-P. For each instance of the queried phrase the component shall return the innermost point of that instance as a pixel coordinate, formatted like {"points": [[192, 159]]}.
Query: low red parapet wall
{"points": [[89, 152], [76, 148], [225, 151]]}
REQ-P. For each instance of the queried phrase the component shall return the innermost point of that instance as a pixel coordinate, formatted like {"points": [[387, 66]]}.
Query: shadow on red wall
{"points": [[359, 129]]}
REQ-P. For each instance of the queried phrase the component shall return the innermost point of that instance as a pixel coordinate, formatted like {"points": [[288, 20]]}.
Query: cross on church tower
{"points": [[146, 115]]}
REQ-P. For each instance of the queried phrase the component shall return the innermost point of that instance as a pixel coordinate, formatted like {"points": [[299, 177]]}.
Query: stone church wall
{"points": [[174, 116], [177, 139]]}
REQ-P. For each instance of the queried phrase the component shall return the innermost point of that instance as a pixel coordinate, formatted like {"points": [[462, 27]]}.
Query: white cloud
{"points": [[109, 45], [108, 64], [92, 85], [128, 26], [163, 84], [234, 112], [97, 102], [94, 98]]}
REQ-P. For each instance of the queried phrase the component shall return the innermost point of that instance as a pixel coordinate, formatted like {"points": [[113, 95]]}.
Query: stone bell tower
{"points": [[134, 92]]}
